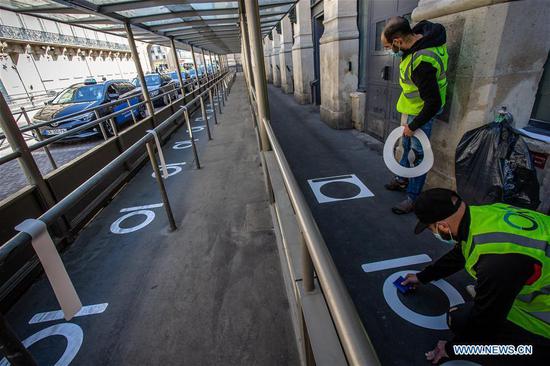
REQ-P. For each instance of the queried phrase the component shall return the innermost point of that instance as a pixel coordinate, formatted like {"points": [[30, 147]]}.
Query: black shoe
{"points": [[397, 185]]}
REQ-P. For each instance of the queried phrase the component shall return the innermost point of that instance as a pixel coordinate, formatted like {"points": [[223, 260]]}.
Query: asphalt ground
{"points": [[210, 293], [364, 230]]}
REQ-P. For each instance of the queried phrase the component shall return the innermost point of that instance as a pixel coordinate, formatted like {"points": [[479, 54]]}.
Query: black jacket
{"points": [[500, 277], [424, 76]]}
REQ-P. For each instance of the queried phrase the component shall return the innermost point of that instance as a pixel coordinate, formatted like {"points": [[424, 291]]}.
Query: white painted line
{"points": [[58, 314], [155, 205], [318, 183], [397, 262]]}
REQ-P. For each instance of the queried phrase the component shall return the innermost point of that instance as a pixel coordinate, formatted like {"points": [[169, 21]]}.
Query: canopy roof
{"points": [[209, 24]]}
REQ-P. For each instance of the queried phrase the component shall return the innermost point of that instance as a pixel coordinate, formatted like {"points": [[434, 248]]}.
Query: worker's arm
{"points": [[448, 264], [500, 277], [424, 76]]}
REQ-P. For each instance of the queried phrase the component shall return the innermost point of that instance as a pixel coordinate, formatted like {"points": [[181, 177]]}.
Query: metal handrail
{"points": [[43, 143], [60, 208], [355, 341]]}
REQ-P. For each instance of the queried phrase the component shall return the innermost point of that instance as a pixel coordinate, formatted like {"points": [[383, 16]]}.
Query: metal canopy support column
{"points": [[246, 55], [258, 68], [139, 70], [175, 52], [205, 64], [195, 66], [26, 160]]}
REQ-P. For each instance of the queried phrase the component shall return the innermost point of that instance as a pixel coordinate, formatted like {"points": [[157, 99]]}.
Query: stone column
{"points": [[275, 58], [267, 58], [302, 53], [491, 64], [339, 49], [285, 56]]}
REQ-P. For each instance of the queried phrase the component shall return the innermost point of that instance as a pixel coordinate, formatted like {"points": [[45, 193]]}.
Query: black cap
{"points": [[434, 205]]}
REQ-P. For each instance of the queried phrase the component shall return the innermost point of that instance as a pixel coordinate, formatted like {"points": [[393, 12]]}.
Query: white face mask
{"points": [[438, 236]]}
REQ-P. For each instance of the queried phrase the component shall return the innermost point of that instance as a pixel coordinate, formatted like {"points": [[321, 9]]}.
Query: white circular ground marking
{"points": [[394, 166], [437, 322], [180, 145], [196, 129], [172, 169], [72, 333], [149, 217]]}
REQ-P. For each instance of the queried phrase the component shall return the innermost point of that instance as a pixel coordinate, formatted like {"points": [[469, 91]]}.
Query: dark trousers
{"points": [[507, 333]]}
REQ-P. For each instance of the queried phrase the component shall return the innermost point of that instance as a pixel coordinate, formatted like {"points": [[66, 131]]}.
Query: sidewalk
{"points": [[364, 230], [210, 293]]}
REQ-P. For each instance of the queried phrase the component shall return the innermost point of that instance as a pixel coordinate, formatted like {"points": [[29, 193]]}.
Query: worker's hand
{"points": [[412, 280], [438, 353], [407, 131]]}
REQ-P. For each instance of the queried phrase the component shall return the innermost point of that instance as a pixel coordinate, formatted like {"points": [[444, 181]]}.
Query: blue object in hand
{"points": [[403, 289]]}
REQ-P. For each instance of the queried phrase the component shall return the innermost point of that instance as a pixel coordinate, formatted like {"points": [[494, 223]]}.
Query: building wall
{"points": [[33, 66]]}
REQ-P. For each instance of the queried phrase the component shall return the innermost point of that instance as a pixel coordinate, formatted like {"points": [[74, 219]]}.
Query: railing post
{"points": [[160, 182], [195, 66], [307, 266], [131, 111], [191, 138], [26, 160], [205, 117], [101, 126], [178, 71], [213, 106]]}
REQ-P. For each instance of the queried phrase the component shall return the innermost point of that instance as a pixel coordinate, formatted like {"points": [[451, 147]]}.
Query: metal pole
{"points": [[174, 51], [26, 160], [258, 67], [101, 126], [307, 266], [192, 139], [212, 63], [139, 70], [205, 64], [248, 64], [12, 348], [195, 66], [160, 182], [213, 106], [205, 117]]}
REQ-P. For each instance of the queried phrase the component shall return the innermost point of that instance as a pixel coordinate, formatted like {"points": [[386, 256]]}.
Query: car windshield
{"points": [[76, 94], [149, 80]]}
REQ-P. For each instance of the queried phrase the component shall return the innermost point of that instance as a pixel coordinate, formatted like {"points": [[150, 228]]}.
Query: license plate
{"points": [[55, 131]]}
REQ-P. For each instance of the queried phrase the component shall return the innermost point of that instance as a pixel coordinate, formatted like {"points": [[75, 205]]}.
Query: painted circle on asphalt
{"points": [[180, 145], [72, 333], [149, 217], [340, 189], [437, 322], [394, 166]]}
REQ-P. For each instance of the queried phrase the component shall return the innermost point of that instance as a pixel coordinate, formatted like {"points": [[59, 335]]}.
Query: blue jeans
{"points": [[415, 184]]}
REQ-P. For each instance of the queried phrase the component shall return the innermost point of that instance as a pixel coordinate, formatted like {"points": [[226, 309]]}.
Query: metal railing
{"points": [[34, 128], [52, 215], [317, 258]]}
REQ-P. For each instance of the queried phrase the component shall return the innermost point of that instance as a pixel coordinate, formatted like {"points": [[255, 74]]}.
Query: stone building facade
{"points": [[498, 52]]}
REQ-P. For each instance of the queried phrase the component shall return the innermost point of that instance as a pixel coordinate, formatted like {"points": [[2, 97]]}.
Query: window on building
{"points": [[541, 109], [378, 46]]}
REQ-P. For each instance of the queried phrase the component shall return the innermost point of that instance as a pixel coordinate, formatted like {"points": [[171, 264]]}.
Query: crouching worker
{"points": [[506, 250]]}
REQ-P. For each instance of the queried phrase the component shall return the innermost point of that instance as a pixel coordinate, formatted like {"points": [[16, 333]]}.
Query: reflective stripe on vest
{"points": [[491, 238], [428, 53]]}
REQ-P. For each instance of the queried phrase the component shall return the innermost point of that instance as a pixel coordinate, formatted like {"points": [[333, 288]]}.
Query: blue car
{"points": [[80, 98], [174, 76], [158, 84]]}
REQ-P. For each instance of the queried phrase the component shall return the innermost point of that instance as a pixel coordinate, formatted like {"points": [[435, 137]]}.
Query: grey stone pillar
{"points": [[485, 73], [275, 58], [267, 58], [285, 56], [302, 53], [339, 49]]}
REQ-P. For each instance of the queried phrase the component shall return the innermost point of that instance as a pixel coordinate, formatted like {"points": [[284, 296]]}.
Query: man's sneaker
{"points": [[403, 207], [397, 184]]}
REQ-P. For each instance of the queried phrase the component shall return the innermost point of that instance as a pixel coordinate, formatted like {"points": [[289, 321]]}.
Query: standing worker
{"points": [[422, 76], [507, 251]]}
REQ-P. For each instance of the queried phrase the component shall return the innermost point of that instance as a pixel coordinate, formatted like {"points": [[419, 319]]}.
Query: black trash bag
{"points": [[493, 164]]}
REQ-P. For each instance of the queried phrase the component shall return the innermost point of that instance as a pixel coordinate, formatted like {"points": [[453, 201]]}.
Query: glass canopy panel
{"points": [[168, 21], [274, 18], [143, 12], [210, 6], [225, 16], [276, 10], [28, 4]]}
